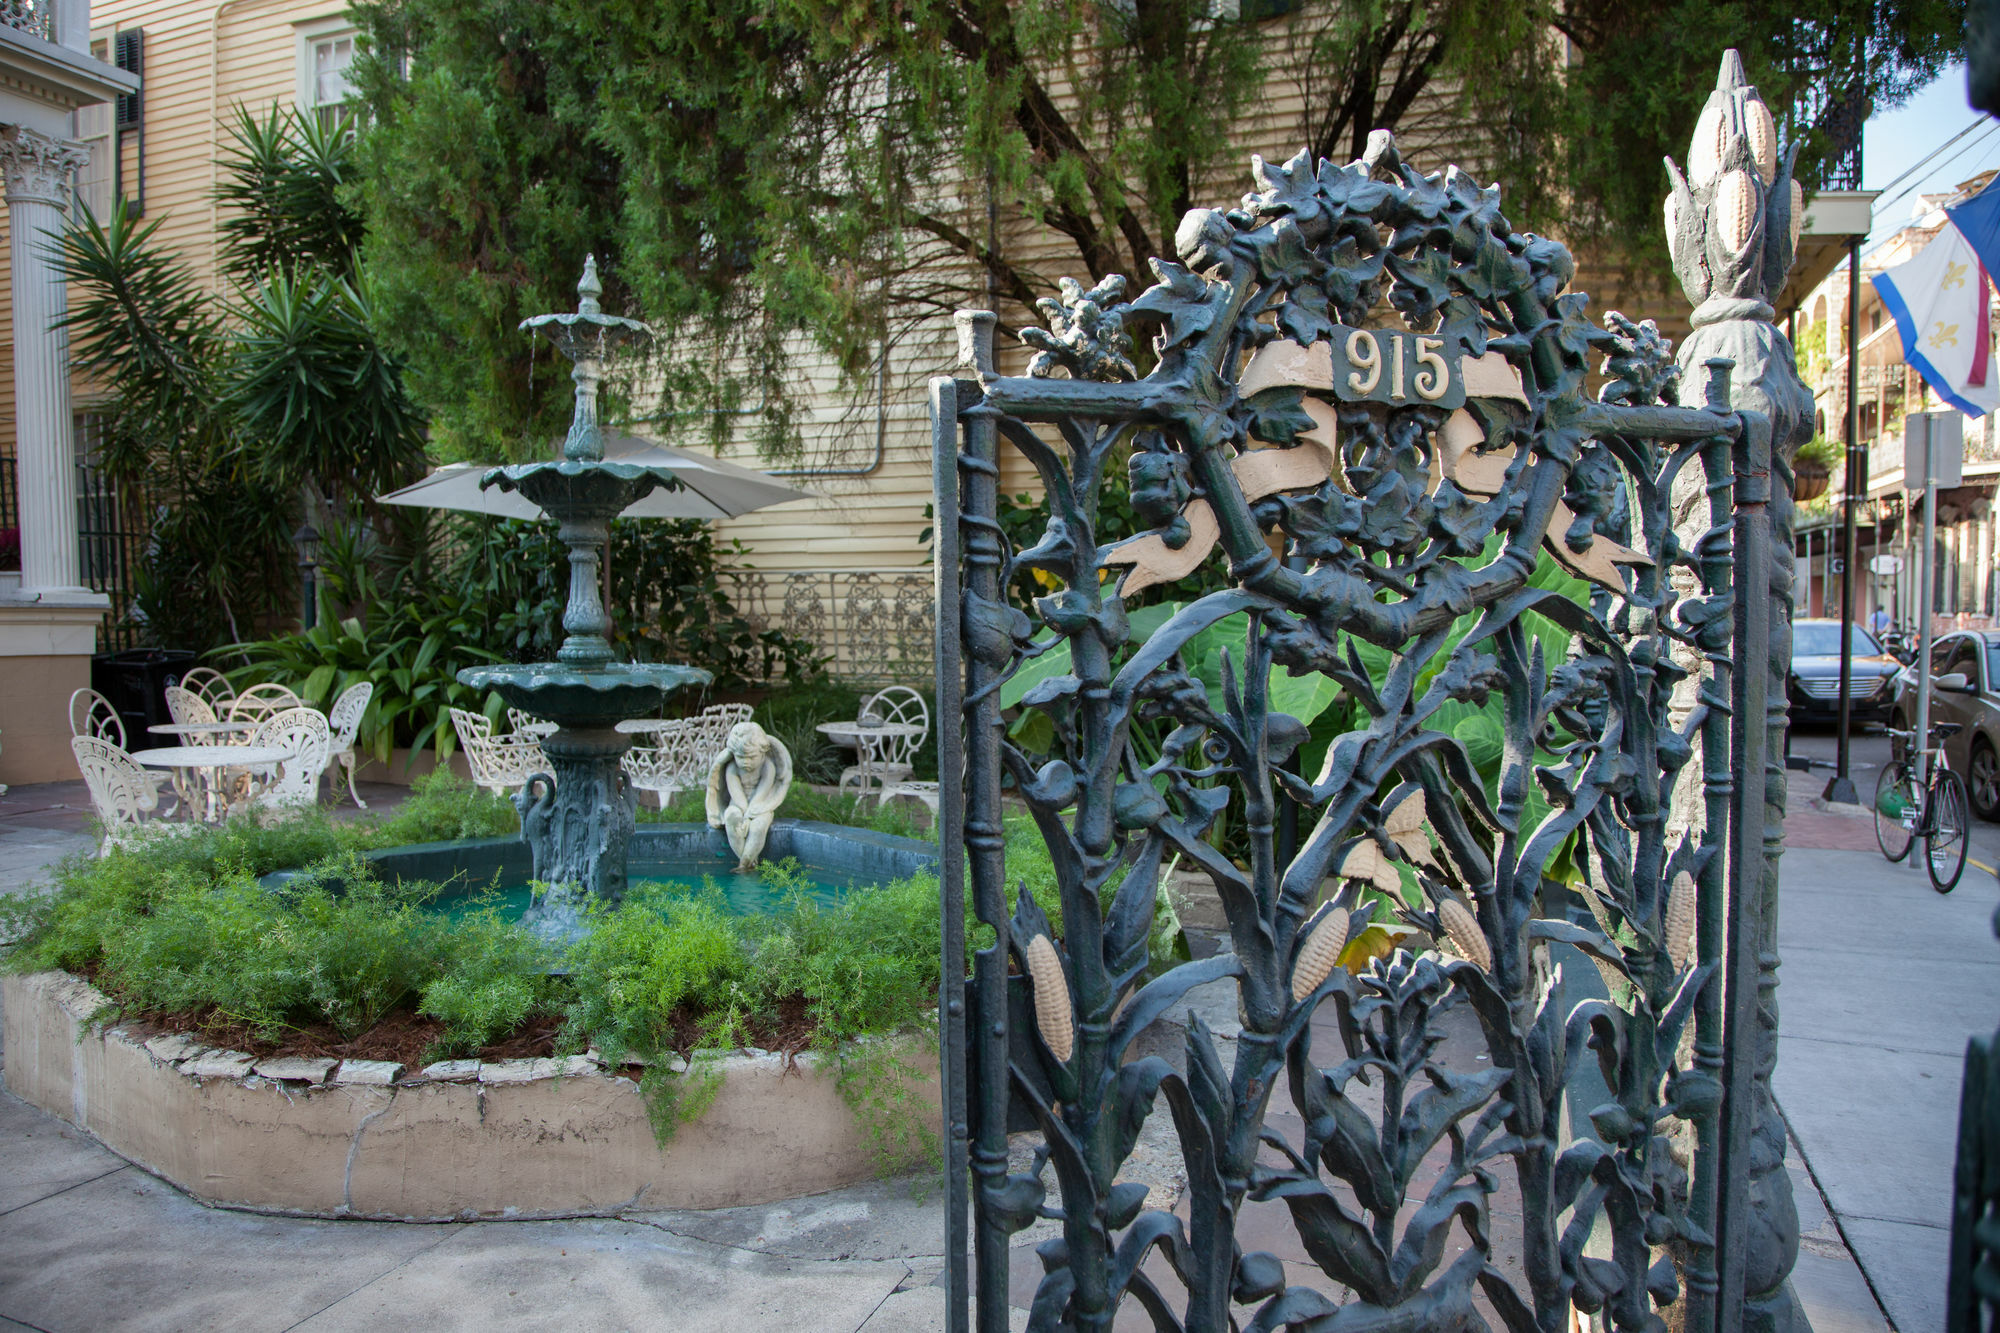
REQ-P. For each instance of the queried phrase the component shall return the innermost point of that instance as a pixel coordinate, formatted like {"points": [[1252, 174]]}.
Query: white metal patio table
{"points": [[201, 728], [867, 739], [854, 733], [197, 768]]}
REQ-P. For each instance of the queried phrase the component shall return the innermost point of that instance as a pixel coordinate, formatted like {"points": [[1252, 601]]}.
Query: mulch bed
{"points": [[408, 1037]]}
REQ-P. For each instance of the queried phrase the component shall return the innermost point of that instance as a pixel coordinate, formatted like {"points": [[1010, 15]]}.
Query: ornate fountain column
{"points": [[38, 170], [578, 818], [1733, 224]]}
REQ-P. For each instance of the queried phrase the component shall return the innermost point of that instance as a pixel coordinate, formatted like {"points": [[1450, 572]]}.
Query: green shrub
{"points": [[310, 953], [92, 900], [495, 977], [867, 964], [647, 967], [444, 807]]}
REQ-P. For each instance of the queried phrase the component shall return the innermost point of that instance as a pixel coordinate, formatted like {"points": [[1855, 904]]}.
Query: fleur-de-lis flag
{"points": [[1939, 301]]}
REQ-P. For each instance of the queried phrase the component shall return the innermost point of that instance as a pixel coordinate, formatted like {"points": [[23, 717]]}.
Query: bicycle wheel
{"points": [[1950, 828], [1895, 793]]}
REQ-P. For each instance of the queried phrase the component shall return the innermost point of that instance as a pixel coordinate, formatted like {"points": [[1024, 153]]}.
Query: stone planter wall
{"points": [[512, 1139]]}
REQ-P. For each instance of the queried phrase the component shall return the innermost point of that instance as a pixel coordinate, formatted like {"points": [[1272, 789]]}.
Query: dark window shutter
{"points": [[129, 54]]}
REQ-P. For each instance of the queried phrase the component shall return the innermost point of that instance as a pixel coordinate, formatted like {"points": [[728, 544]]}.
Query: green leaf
{"points": [[316, 689]]}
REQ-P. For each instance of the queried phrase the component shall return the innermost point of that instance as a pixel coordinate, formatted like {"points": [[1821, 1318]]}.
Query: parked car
{"points": [[1965, 688], [1814, 687]]}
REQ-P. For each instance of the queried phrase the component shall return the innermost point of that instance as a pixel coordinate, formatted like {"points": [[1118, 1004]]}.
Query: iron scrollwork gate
{"points": [[1390, 503]]}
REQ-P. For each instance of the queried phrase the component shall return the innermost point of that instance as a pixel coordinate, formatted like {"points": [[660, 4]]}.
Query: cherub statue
{"points": [[746, 785]]}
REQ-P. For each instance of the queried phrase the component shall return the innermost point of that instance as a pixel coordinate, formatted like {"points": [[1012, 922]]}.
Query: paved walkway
{"points": [[1883, 981], [88, 1242]]}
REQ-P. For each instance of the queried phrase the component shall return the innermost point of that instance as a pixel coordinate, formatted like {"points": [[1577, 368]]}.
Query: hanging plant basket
{"points": [[1810, 480]]}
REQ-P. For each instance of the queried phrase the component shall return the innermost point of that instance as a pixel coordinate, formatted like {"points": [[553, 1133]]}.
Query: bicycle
{"points": [[1939, 813]]}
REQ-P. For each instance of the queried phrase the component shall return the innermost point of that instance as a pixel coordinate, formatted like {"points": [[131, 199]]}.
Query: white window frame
{"points": [[102, 139], [308, 35]]}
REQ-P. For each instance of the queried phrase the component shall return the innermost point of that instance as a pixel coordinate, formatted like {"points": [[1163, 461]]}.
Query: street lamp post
{"points": [[306, 540], [1841, 786]]}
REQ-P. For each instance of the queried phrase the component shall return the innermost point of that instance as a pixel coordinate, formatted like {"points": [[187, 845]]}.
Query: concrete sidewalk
{"points": [[1883, 982], [89, 1242]]}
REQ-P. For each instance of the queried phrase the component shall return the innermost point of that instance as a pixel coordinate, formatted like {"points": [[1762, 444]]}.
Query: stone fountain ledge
{"points": [[458, 1140]]}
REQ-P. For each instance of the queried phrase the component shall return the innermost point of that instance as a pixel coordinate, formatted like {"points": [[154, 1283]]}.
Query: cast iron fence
{"points": [[10, 515], [111, 533], [1515, 614]]}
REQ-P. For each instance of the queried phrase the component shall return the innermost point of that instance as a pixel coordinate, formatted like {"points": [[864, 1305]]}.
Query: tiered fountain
{"points": [[578, 821]]}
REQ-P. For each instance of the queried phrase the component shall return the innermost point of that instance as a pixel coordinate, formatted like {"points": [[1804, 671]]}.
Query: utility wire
{"points": [[1977, 121], [1983, 140]]}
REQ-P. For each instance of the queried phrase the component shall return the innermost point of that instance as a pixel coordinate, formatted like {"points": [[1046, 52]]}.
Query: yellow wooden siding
{"points": [[201, 58]]}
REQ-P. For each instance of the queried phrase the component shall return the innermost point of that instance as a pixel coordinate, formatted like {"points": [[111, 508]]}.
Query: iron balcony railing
{"points": [[31, 16]]}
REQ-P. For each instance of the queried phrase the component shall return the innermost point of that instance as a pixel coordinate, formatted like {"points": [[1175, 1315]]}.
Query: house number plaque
{"points": [[1401, 369]]}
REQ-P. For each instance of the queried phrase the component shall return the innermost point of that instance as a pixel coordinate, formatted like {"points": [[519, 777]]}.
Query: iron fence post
{"points": [[1733, 319], [951, 863], [1750, 561], [1718, 785], [977, 476]]}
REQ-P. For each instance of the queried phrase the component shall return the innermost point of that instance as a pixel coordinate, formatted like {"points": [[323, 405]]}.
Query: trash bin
{"points": [[136, 684]]}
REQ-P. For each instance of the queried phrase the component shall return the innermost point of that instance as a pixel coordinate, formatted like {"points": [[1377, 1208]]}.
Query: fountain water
{"points": [[578, 821]]}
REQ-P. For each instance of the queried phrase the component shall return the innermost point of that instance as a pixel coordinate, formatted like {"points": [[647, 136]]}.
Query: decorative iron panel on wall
{"points": [[874, 626], [1521, 601]]}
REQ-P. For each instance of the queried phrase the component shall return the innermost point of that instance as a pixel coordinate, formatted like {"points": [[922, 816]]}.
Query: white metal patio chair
{"points": [[726, 716], [500, 764], [121, 792], [307, 740], [886, 760], [668, 759], [711, 728], [211, 685], [91, 714], [927, 792], [259, 702], [345, 719], [190, 709], [523, 723]]}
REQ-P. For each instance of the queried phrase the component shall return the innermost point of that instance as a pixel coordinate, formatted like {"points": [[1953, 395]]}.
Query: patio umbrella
{"points": [[710, 488]]}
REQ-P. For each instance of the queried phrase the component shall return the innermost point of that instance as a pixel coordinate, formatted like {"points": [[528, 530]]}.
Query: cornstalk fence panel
{"points": [[1501, 616]]}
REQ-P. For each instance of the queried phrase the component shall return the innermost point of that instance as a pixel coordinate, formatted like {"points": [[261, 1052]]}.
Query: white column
{"points": [[37, 170], [1982, 557]]}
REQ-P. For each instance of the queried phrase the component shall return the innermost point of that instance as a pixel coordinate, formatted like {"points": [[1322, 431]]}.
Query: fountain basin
{"points": [[469, 1139], [834, 856]]}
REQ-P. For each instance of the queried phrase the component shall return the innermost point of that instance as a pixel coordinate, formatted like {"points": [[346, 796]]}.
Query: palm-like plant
{"points": [[222, 409], [140, 324], [283, 181]]}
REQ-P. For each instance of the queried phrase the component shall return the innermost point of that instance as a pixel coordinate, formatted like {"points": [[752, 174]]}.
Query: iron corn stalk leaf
{"points": [[1426, 1233], [1435, 1110]]}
